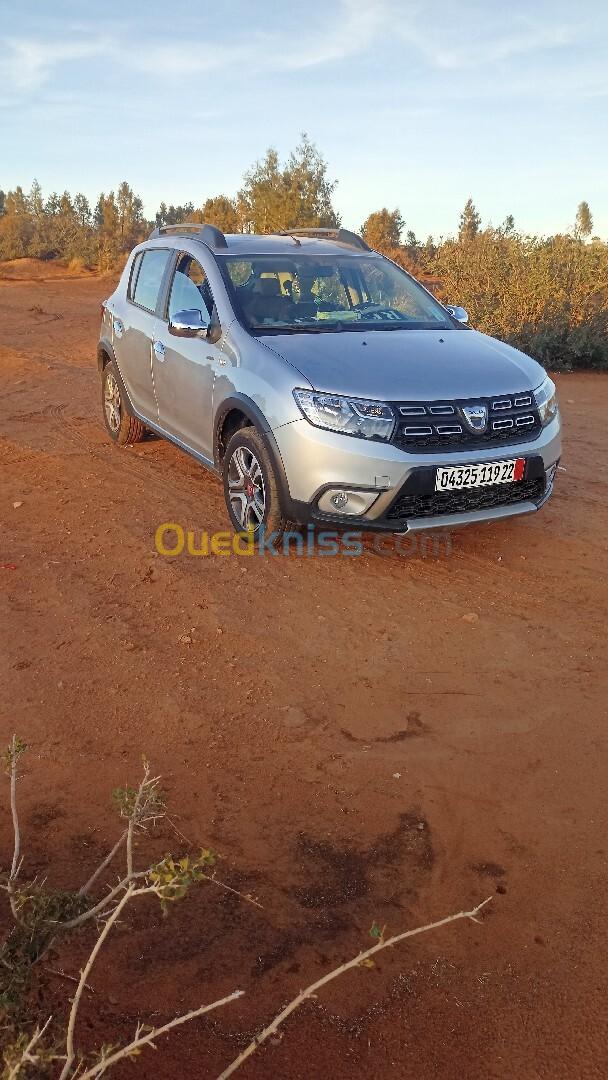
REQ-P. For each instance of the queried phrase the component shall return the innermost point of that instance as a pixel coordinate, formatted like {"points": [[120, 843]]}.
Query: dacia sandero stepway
{"points": [[323, 384]]}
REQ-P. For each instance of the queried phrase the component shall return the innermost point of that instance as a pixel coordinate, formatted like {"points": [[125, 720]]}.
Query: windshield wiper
{"points": [[332, 327]]}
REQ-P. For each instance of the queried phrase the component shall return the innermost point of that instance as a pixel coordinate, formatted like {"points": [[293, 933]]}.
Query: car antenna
{"points": [[285, 232]]}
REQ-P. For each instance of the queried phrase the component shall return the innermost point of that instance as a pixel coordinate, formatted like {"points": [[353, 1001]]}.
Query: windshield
{"points": [[322, 293]]}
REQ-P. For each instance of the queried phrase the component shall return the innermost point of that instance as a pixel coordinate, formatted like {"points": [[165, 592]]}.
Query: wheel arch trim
{"points": [[248, 408], [106, 350]]}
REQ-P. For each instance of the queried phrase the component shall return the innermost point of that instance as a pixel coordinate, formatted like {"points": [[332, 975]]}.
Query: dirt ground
{"points": [[381, 738]]}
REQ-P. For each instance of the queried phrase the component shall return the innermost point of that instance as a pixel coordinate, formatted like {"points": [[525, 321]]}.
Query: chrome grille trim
{"points": [[417, 432], [438, 426]]}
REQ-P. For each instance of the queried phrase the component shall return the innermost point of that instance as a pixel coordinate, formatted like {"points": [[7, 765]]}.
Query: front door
{"points": [[184, 368], [133, 329]]}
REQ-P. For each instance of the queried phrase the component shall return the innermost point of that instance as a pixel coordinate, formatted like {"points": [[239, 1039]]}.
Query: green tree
{"points": [[39, 242], [16, 226], [107, 231], [382, 230], [82, 210], [584, 221], [222, 212], [52, 204], [299, 193], [129, 217], [470, 222], [175, 215], [36, 201]]}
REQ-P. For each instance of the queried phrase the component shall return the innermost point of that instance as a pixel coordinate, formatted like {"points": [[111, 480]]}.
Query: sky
{"points": [[413, 105]]}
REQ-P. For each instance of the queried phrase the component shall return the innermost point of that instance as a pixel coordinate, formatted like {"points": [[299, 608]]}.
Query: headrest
{"points": [[269, 286]]}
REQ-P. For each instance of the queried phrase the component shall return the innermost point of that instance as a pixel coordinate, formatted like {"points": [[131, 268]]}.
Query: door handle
{"points": [[159, 350]]}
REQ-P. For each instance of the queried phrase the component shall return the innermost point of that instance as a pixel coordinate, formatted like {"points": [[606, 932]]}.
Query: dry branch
{"points": [[16, 831], [102, 866], [140, 1039], [149, 1037], [27, 1057], [355, 962], [70, 1051]]}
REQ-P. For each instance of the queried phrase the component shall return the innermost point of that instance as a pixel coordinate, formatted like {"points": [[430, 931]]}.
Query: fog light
{"points": [[349, 502]]}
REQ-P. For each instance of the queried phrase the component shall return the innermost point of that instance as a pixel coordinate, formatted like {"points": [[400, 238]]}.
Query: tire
{"points": [[250, 486], [122, 428]]}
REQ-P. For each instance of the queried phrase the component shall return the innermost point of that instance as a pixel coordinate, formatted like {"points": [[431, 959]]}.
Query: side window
{"points": [[134, 273], [190, 289], [149, 278]]}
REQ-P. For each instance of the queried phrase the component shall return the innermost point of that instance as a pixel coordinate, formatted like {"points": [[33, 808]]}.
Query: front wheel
{"points": [[250, 486]]}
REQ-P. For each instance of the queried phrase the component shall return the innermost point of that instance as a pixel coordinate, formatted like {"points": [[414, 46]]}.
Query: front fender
{"points": [[105, 353], [253, 413]]}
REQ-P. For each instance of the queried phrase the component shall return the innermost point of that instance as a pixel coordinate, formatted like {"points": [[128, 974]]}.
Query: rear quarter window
{"points": [[133, 275], [150, 273]]}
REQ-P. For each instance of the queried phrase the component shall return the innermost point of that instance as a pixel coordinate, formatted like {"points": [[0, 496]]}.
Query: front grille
{"points": [[435, 426], [417, 505]]}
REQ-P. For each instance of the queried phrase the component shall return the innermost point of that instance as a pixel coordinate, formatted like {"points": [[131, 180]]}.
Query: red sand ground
{"points": [[308, 684]]}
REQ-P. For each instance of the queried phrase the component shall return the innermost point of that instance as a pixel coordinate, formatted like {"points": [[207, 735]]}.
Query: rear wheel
{"points": [[250, 486], [120, 425]]}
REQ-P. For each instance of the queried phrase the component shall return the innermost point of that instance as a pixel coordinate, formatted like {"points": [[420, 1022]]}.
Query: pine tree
{"points": [[382, 229], [584, 221], [222, 212], [275, 197], [469, 222]]}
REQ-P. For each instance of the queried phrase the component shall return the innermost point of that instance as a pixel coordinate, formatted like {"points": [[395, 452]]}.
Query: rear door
{"points": [[133, 327], [184, 368]]}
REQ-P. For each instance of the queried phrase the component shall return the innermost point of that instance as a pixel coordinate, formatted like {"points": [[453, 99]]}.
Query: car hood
{"points": [[408, 365]]}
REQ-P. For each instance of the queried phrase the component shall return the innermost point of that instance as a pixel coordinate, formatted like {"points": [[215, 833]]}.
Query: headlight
{"points": [[351, 416], [546, 401]]}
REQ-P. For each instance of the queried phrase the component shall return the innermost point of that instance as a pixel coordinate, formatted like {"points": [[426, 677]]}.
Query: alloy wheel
{"points": [[246, 490], [111, 402]]}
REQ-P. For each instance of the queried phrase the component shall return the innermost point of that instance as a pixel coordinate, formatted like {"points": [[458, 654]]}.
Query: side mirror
{"points": [[459, 313], [189, 324]]}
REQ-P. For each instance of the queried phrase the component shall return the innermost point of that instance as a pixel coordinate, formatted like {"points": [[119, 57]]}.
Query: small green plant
{"points": [[172, 878]]}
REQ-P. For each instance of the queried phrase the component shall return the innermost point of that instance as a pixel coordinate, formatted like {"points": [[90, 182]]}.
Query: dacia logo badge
{"points": [[476, 417]]}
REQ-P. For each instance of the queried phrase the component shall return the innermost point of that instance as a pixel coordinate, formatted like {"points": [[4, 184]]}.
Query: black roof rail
{"points": [[341, 236], [212, 237]]}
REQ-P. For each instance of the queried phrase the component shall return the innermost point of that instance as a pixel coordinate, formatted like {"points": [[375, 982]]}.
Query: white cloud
{"points": [[465, 47], [439, 38], [28, 63]]}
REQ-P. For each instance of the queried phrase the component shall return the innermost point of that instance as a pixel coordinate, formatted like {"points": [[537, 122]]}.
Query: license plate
{"points": [[482, 475]]}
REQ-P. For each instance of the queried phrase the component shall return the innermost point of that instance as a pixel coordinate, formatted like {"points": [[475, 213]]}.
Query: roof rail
{"points": [[341, 236], [212, 237]]}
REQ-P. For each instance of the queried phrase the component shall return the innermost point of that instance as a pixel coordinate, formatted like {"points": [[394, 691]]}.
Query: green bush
{"points": [[547, 297]]}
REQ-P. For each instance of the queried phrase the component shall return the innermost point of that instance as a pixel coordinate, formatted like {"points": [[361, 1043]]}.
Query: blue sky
{"points": [[416, 105]]}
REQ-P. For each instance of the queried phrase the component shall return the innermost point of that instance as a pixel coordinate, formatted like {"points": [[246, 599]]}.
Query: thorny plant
{"points": [[42, 914]]}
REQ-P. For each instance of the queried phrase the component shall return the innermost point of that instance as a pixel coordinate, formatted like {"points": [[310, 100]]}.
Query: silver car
{"points": [[323, 383]]}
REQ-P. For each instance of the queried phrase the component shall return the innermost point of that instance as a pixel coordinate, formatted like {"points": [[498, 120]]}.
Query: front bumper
{"points": [[317, 461]]}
